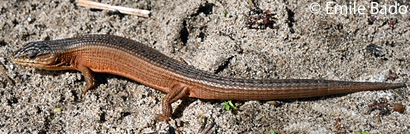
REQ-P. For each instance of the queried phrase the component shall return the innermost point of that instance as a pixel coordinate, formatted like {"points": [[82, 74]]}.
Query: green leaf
{"points": [[228, 105], [232, 105]]}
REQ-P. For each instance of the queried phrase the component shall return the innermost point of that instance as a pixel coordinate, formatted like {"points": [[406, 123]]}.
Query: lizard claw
{"points": [[161, 117]]}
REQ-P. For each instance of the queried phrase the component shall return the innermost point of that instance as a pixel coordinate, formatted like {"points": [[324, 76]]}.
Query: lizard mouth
{"points": [[42, 61], [26, 62]]}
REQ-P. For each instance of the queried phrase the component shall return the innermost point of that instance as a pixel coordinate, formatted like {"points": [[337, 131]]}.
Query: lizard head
{"points": [[38, 55]]}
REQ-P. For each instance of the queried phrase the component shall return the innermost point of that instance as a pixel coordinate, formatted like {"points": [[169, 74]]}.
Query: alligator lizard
{"points": [[131, 59]]}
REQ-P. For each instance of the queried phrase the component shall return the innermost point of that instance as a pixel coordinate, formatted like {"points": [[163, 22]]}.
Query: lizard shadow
{"points": [[187, 101], [178, 112], [102, 78]]}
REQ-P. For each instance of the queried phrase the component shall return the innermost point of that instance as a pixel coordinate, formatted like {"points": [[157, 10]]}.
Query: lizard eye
{"points": [[32, 55]]}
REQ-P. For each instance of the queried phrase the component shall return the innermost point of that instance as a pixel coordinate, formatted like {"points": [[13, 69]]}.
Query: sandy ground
{"points": [[212, 36]]}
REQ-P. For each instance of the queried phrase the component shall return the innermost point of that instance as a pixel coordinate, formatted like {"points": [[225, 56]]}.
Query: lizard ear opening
{"points": [[51, 62], [46, 59], [59, 63]]}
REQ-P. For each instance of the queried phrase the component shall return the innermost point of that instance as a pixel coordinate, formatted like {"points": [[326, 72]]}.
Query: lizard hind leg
{"points": [[175, 93]]}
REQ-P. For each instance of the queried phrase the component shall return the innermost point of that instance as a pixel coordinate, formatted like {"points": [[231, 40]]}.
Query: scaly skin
{"points": [[131, 59]]}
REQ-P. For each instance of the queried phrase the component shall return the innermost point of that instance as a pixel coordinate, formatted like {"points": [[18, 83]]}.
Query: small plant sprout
{"points": [[228, 105]]}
